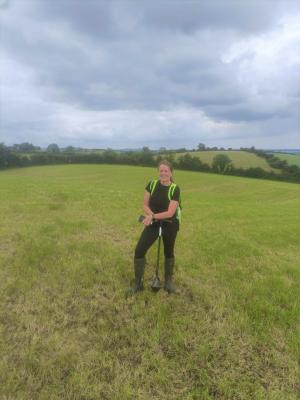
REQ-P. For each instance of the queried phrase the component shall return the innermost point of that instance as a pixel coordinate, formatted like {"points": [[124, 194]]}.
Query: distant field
{"points": [[61, 152], [66, 330], [292, 159], [240, 159]]}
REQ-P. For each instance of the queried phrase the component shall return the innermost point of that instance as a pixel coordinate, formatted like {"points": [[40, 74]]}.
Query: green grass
{"points": [[240, 159], [68, 332], [292, 159]]}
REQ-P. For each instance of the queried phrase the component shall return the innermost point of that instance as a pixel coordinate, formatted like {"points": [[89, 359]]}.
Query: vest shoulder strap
{"points": [[152, 185], [171, 191]]}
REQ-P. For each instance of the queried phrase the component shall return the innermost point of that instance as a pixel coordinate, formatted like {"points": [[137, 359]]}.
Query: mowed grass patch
{"points": [[240, 159], [68, 331], [292, 159]]}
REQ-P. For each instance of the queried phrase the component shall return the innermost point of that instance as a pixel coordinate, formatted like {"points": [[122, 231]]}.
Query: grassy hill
{"points": [[240, 159], [68, 332], [292, 159]]}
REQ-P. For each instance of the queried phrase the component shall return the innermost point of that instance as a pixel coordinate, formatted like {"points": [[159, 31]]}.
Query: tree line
{"points": [[23, 156]]}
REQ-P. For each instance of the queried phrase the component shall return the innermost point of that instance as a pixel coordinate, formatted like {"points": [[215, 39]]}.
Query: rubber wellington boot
{"points": [[139, 267], [169, 268]]}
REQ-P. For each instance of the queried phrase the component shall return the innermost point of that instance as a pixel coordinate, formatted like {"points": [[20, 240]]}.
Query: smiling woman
{"points": [[161, 205]]}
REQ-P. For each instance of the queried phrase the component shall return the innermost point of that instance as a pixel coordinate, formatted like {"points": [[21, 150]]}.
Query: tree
{"points": [[201, 146], [146, 156], [69, 149], [162, 149], [109, 156], [185, 161], [53, 148], [7, 157], [221, 163], [4, 153], [25, 147]]}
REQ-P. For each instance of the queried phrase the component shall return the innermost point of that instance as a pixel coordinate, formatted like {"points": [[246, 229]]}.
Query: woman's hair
{"points": [[166, 162]]}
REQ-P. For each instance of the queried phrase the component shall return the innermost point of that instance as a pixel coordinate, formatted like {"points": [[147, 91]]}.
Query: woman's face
{"points": [[164, 173]]}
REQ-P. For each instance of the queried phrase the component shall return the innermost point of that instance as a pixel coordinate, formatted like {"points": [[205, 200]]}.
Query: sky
{"points": [[165, 73]]}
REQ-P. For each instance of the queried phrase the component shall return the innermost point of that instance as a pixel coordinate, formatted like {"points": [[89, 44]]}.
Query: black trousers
{"points": [[150, 234]]}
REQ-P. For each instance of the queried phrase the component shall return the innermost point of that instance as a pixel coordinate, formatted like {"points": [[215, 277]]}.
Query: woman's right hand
{"points": [[148, 220]]}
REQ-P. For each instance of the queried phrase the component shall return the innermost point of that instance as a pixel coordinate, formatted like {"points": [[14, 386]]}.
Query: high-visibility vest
{"points": [[170, 195]]}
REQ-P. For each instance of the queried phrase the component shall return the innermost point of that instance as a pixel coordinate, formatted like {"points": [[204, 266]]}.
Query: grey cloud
{"points": [[143, 56], [94, 18], [110, 18], [191, 16], [242, 113]]}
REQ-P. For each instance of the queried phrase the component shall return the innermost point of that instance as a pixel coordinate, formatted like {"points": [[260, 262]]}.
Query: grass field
{"points": [[292, 159], [68, 332], [240, 159]]}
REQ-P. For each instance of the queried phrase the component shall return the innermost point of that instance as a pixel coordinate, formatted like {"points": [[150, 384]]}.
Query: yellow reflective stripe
{"points": [[170, 195], [152, 186], [171, 191]]}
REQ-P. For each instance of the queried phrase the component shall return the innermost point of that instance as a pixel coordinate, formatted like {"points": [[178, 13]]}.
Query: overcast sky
{"points": [[135, 73]]}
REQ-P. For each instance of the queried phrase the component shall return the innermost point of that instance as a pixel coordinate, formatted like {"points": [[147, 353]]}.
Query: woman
{"points": [[161, 202]]}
